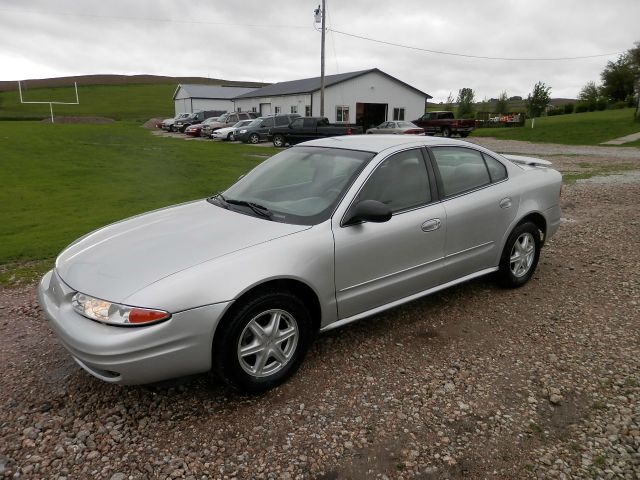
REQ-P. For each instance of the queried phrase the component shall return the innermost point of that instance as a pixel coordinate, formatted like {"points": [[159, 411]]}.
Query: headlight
{"points": [[114, 313], [243, 131]]}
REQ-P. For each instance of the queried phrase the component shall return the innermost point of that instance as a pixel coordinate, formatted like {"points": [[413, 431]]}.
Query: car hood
{"points": [[116, 261]]}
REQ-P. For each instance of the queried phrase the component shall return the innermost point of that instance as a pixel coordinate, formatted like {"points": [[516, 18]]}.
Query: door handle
{"points": [[431, 225], [505, 202]]}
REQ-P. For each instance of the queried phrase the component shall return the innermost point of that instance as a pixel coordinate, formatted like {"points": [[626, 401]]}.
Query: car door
{"points": [[479, 204], [379, 263], [265, 127]]}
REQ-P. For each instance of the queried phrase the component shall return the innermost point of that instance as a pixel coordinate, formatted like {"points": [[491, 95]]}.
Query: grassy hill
{"points": [[121, 97], [120, 102], [589, 128]]}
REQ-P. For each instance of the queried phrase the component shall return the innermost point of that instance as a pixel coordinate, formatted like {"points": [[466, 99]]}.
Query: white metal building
{"points": [[367, 97], [192, 98]]}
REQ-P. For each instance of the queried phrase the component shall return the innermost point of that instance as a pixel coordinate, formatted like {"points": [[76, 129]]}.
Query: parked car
{"points": [[401, 127], [317, 236], [207, 126], [167, 123], [181, 124], [446, 124], [231, 118], [228, 133], [258, 130], [309, 128], [193, 130]]}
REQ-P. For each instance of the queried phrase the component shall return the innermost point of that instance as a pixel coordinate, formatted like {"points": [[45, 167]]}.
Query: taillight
{"points": [[349, 131]]}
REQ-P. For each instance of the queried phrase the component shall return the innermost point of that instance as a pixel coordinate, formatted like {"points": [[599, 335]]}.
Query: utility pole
{"points": [[321, 13]]}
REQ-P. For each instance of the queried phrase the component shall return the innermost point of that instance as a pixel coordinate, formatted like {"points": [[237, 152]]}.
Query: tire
{"points": [[464, 134], [520, 255], [446, 132], [259, 314], [230, 137], [254, 138], [278, 141]]}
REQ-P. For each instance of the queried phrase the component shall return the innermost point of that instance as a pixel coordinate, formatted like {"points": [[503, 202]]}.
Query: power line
{"points": [[361, 37]]}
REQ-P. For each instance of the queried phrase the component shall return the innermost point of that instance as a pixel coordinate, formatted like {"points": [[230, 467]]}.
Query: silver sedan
{"points": [[317, 236], [397, 128]]}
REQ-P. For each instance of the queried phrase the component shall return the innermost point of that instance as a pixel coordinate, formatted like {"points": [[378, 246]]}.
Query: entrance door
{"points": [[265, 109], [370, 115]]}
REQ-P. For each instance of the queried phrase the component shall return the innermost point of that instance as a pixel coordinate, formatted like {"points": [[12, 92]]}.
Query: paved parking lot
{"points": [[473, 382]]}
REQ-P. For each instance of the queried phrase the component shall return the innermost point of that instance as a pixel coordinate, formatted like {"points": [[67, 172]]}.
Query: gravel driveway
{"points": [[473, 382]]}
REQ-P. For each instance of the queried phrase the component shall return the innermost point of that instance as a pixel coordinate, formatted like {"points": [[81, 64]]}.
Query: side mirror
{"points": [[368, 211]]}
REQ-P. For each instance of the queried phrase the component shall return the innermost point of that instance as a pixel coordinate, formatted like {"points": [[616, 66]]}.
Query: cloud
{"points": [[275, 40]]}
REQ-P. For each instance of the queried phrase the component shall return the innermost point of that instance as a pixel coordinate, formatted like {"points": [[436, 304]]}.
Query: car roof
{"points": [[379, 143]]}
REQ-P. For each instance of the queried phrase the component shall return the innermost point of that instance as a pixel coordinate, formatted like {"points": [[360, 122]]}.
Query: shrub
{"points": [[552, 112], [568, 108], [601, 104], [619, 104], [581, 108]]}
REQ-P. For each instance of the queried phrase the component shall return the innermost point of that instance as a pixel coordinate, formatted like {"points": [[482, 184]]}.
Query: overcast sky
{"points": [[275, 40]]}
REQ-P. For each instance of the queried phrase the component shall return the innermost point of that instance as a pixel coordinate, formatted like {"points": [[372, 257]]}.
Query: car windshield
{"points": [[406, 125], [255, 123], [301, 185], [242, 123]]}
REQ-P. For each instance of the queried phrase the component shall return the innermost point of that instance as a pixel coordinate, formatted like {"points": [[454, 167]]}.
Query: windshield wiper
{"points": [[256, 207], [220, 199]]}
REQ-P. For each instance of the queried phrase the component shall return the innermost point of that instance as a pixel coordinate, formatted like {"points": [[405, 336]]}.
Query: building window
{"points": [[294, 109], [277, 110], [307, 111], [342, 114], [239, 109], [398, 113], [254, 109]]}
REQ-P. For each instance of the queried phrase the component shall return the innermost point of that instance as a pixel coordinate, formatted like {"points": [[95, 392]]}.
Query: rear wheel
{"points": [[278, 141], [446, 132], [263, 342], [520, 255], [254, 138]]}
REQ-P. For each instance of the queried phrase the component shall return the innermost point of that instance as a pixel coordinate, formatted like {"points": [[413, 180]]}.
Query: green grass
{"points": [[590, 128], [61, 181], [120, 102]]}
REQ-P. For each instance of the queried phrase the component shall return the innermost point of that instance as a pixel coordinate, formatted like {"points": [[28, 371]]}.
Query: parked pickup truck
{"points": [[309, 128], [446, 124]]}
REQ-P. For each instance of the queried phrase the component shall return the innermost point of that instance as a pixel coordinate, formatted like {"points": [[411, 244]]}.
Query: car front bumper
{"points": [[174, 348]]}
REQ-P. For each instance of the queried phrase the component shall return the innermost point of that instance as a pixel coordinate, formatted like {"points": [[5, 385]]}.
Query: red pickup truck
{"points": [[445, 123]]}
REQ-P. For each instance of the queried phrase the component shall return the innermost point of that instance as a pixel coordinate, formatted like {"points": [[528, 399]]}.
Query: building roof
{"points": [[211, 91], [308, 85]]}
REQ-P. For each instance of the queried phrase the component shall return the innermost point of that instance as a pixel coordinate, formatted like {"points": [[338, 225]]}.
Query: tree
{"points": [[448, 104], [538, 100], [589, 96], [465, 101], [502, 105], [618, 78]]}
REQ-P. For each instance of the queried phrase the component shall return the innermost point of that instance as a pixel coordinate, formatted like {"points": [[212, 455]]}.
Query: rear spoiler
{"points": [[535, 162]]}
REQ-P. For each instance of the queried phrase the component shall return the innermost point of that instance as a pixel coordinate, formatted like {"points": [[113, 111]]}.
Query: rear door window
{"points": [[461, 169], [282, 121]]}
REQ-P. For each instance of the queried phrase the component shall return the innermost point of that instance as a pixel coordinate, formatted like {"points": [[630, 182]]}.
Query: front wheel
{"points": [[262, 342], [520, 255], [278, 141], [230, 137], [446, 132], [254, 138]]}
